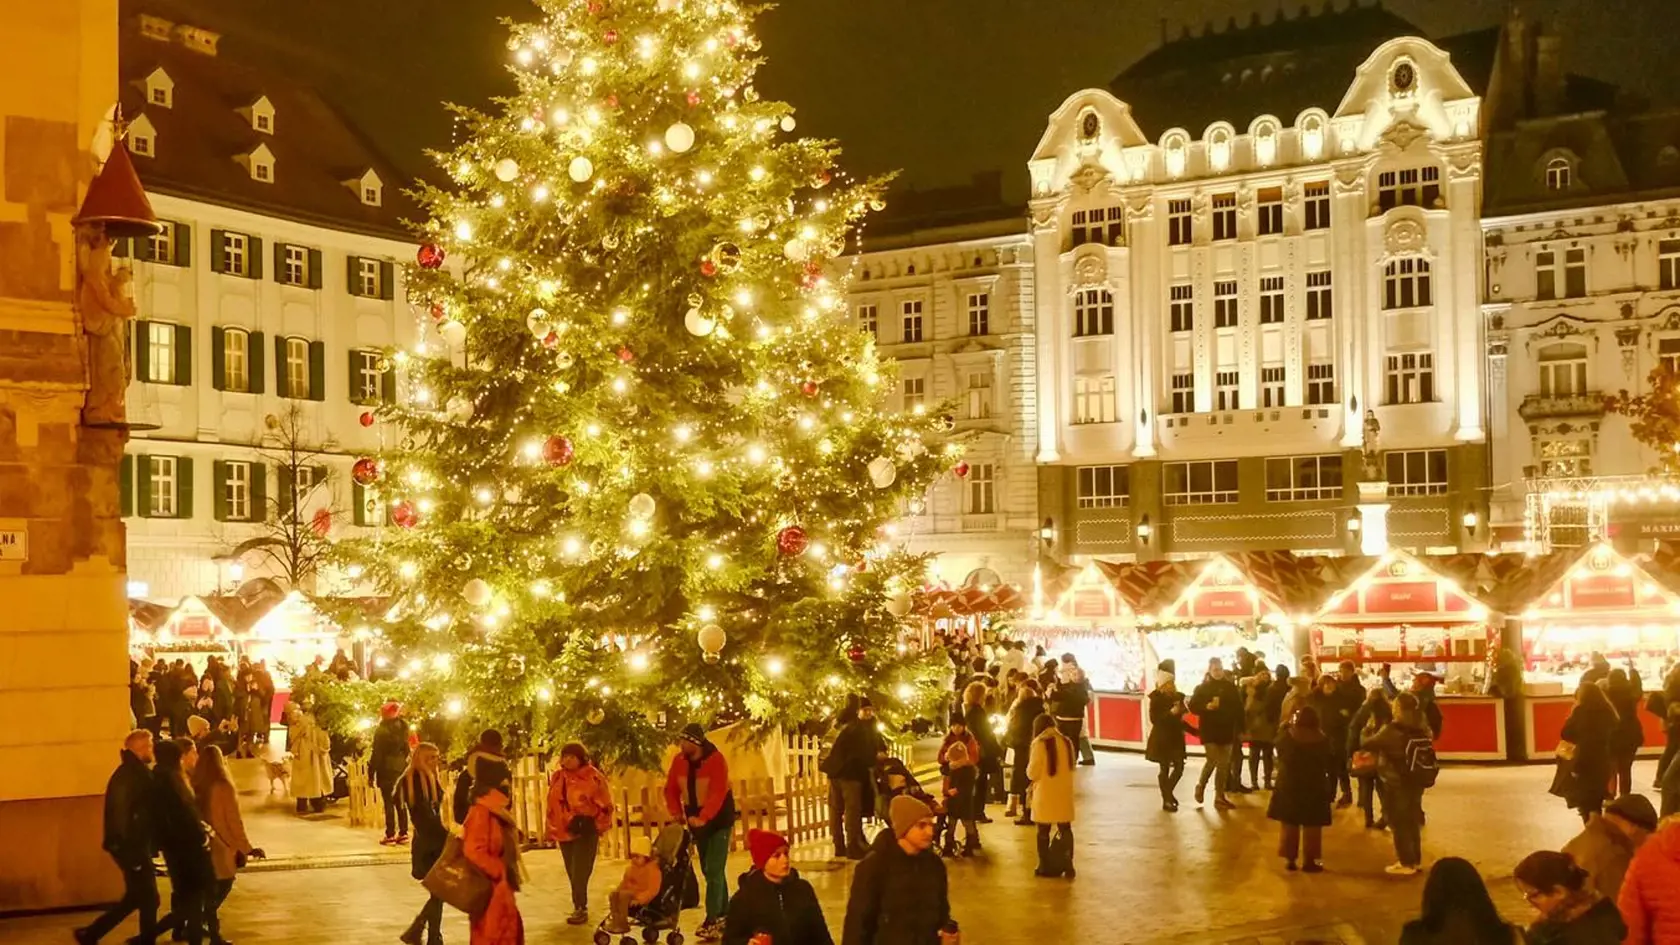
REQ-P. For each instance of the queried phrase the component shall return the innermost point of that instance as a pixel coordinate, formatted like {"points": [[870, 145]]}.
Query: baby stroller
{"points": [[679, 889]]}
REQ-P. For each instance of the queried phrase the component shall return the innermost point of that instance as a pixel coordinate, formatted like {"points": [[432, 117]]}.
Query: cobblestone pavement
{"points": [[1145, 876]]}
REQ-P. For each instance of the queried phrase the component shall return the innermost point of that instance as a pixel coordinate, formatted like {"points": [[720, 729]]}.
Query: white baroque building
{"points": [[273, 291]]}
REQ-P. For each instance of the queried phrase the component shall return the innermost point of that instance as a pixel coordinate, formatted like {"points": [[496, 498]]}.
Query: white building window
{"points": [[1574, 273], [1225, 304], [1269, 211], [295, 263], [979, 395], [1304, 478], [1409, 187], [1184, 393], [1225, 390], [263, 171], [1105, 226], [1563, 370], [1668, 264], [1321, 383], [368, 278], [1271, 386], [869, 320], [370, 380], [236, 491], [160, 503], [160, 352], [1180, 223], [1320, 301], [297, 368], [1181, 308], [1417, 472], [1558, 173], [161, 248], [1208, 482], [911, 320], [236, 372], [1093, 313], [982, 489], [1271, 300], [1224, 216], [236, 255], [1316, 205], [140, 144], [1104, 487], [160, 96], [1406, 283], [1093, 399], [915, 394], [979, 313], [1411, 378], [1668, 354], [370, 196]]}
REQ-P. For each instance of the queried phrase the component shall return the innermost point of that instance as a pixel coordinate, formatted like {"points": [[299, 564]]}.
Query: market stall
{"points": [[192, 631], [1594, 601], [1403, 613], [1085, 616], [1216, 606]]}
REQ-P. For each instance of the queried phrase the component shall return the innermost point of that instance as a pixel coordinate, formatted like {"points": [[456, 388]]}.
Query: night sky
{"points": [[939, 89]]}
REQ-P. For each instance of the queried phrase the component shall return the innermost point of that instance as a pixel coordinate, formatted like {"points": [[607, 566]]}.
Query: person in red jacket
{"points": [[697, 793], [1650, 897], [580, 810]]}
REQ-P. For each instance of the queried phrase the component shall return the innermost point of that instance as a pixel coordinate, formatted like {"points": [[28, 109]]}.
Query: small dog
{"points": [[280, 772]]}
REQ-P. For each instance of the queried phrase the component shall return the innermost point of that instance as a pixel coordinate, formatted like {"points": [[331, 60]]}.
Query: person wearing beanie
{"points": [[1167, 728], [580, 810], [771, 899], [1606, 845], [850, 767], [900, 893], [490, 842], [961, 793], [386, 764], [642, 881], [489, 748], [697, 793]]}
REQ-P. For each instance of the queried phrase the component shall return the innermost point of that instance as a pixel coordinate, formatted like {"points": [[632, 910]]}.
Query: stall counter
{"points": [[1543, 726], [1472, 728], [1117, 720]]}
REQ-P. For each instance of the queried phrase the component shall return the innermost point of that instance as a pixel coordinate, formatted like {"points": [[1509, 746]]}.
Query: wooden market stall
{"points": [[1191, 612], [1086, 616]]}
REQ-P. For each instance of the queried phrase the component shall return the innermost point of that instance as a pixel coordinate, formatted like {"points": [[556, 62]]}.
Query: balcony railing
{"points": [[1542, 406]]}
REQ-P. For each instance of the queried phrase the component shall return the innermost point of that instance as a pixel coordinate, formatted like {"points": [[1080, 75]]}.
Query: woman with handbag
{"points": [[1368, 721], [218, 804], [490, 843], [1584, 756], [1050, 761], [421, 791], [579, 811]]}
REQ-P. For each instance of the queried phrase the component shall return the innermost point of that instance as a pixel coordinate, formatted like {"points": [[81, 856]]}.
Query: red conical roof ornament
{"points": [[116, 199]]}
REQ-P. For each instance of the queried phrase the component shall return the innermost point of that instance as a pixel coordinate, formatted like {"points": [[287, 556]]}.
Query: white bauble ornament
{"points": [[641, 506], [797, 250], [595, 717], [460, 409], [581, 169], [909, 450], [699, 323], [711, 639], [539, 322], [667, 6], [788, 124], [882, 472], [476, 592], [507, 169], [453, 332], [679, 137], [898, 604]]}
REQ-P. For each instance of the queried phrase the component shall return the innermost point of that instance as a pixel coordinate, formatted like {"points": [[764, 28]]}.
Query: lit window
{"points": [[160, 503], [982, 495], [1304, 478], [1411, 378], [160, 352], [915, 393], [1104, 487], [1416, 472], [297, 368], [236, 346], [236, 258], [1093, 313], [1565, 458], [236, 491], [295, 265], [1093, 399], [1406, 283], [369, 278], [370, 380], [1563, 370], [1209, 482]]}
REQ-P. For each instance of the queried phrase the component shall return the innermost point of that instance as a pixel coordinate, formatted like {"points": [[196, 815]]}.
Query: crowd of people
{"points": [[232, 707]]}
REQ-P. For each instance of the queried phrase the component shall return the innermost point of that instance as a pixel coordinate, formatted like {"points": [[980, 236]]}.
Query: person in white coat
{"points": [[312, 778], [1050, 763]]}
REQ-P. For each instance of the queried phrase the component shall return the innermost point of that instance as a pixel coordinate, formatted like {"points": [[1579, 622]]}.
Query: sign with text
{"points": [[14, 545]]}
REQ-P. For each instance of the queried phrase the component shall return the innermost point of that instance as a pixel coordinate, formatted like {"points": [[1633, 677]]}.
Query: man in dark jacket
{"points": [[1218, 706], [130, 840], [697, 792], [1350, 695], [900, 893], [386, 765], [850, 767], [771, 899]]}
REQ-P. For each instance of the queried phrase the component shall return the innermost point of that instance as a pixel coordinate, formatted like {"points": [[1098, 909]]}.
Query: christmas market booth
{"points": [[1593, 600], [193, 630], [1192, 612], [971, 610], [1408, 613], [1082, 613]]}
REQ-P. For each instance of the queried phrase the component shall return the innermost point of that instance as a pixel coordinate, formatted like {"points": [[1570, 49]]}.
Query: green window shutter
{"points": [[352, 268], [125, 485], [259, 492], [218, 258], [288, 490], [317, 370], [281, 387], [388, 386], [254, 254], [279, 262], [254, 361], [183, 355], [387, 281], [143, 485], [355, 387], [314, 269], [183, 245], [218, 489], [218, 358], [142, 349], [184, 488]]}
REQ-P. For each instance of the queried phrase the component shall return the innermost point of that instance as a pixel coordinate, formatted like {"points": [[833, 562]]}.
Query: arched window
{"points": [[1093, 313], [1219, 149], [1175, 148], [1558, 173], [1312, 137], [1406, 283], [1563, 370]]}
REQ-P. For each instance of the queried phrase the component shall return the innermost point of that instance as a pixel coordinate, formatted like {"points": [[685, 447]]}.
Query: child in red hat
{"points": [[773, 906]]}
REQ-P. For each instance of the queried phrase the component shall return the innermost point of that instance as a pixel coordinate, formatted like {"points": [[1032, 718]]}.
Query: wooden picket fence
{"points": [[364, 807]]}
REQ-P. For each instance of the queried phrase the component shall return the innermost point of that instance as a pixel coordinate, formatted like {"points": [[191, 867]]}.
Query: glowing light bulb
{"points": [[541, 588], [774, 666], [638, 528], [691, 69], [454, 707], [560, 116], [683, 433], [620, 385], [806, 421], [714, 561], [540, 193], [620, 316], [589, 65], [523, 56], [409, 570], [744, 298], [570, 546], [755, 454], [705, 177], [463, 230], [532, 449], [594, 429], [905, 691], [442, 662], [704, 468], [757, 174], [544, 693], [484, 496]]}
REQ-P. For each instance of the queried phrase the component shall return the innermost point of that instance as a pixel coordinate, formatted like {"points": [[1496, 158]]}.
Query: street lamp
{"points": [[1047, 532], [1144, 529]]}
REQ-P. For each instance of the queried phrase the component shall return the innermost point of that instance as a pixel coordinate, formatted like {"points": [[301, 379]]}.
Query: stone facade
{"points": [[63, 697]]}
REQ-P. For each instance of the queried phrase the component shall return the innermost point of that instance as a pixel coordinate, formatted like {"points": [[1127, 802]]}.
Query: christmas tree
{"points": [[643, 472]]}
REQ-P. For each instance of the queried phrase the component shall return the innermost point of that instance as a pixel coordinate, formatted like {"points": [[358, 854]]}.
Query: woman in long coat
{"points": [[1029, 705], [312, 778], [1166, 734], [1305, 788], [1050, 767], [1584, 770], [490, 842], [422, 793], [1259, 728], [218, 804]]}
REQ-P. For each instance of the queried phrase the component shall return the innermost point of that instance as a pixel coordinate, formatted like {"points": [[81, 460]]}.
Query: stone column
{"points": [[63, 641], [1373, 518]]}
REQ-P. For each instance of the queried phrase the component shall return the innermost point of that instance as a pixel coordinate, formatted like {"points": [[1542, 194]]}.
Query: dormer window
{"points": [[142, 138], [261, 114], [370, 196], [368, 187], [260, 162], [160, 89], [1559, 173]]}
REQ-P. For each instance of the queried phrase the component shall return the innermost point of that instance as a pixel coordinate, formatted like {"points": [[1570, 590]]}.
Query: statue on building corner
{"points": [[105, 300], [1372, 456]]}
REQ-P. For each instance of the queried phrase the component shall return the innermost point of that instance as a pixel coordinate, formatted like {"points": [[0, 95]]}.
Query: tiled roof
{"points": [[1618, 158], [316, 150]]}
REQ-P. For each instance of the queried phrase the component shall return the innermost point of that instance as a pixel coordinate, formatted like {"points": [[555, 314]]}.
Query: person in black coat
{"points": [[850, 768], [1306, 785], [1167, 728], [900, 892], [385, 767], [1627, 694], [421, 792], [1584, 771], [130, 840], [183, 840], [1028, 706], [772, 899], [1218, 706], [990, 763]]}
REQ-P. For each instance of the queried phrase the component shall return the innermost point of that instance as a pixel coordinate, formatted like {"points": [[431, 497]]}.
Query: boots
{"points": [[412, 934]]}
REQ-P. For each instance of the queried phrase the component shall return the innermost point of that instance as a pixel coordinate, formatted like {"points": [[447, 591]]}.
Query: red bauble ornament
{"points": [[856, 652], [730, 39], [813, 273], [610, 37], [792, 541], [557, 451], [404, 514], [612, 100], [429, 256], [321, 523], [824, 179], [961, 469], [366, 471], [367, 418], [809, 388], [708, 268], [551, 339], [439, 313], [626, 355], [595, 7], [693, 98]]}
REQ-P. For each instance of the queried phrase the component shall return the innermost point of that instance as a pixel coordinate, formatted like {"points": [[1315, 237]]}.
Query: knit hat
{"points": [[693, 734], [904, 812], [1636, 809], [641, 846], [198, 726], [864, 703], [1167, 666], [764, 844], [490, 774], [389, 710]]}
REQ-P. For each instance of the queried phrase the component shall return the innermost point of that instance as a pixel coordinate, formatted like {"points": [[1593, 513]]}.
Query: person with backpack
{"points": [[1406, 768]]}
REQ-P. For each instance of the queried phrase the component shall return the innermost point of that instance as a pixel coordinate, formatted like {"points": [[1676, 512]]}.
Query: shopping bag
{"points": [[1566, 749], [1364, 764], [457, 882], [1563, 779], [1058, 857]]}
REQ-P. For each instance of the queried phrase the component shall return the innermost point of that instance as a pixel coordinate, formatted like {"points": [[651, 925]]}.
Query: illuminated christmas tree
{"points": [[644, 467]]}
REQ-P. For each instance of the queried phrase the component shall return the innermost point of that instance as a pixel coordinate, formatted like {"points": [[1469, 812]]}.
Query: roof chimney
{"points": [[1548, 74]]}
